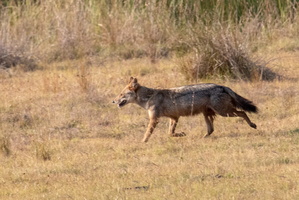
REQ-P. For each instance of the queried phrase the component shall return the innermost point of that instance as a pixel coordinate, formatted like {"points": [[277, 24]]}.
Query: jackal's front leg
{"points": [[151, 126]]}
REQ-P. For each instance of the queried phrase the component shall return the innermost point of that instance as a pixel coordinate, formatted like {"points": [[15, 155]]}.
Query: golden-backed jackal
{"points": [[206, 98]]}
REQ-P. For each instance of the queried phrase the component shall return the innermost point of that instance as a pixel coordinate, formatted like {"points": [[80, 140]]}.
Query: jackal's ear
{"points": [[133, 84], [134, 80]]}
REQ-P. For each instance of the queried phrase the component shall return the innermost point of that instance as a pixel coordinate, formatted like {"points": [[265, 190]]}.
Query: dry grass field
{"points": [[62, 138], [62, 62]]}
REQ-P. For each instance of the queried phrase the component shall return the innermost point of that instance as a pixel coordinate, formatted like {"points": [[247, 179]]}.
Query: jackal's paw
{"points": [[253, 125], [182, 134], [145, 140], [207, 135]]}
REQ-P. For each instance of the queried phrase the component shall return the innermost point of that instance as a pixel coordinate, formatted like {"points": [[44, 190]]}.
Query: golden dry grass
{"points": [[61, 138]]}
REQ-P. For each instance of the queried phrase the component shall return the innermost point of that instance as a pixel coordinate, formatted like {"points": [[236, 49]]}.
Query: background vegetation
{"points": [[218, 37], [62, 62]]}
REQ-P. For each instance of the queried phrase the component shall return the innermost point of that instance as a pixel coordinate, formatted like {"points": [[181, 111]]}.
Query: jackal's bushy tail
{"points": [[241, 102]]}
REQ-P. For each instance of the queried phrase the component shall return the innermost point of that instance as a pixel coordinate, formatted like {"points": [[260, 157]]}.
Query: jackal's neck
{"points": [[144, 95]]}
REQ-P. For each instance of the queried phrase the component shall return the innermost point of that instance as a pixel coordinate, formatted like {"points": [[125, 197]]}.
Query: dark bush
{"points": [[223, 57], [8, 60]]}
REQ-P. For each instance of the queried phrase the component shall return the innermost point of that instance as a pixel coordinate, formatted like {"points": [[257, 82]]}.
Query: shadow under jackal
{"points": [[209, 99]]}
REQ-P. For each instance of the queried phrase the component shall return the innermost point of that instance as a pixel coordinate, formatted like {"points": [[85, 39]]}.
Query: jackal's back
{"points": [[188, 100], [194, 99]]}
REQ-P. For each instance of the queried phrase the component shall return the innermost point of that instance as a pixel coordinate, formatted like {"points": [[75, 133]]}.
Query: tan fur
{"points": [[209, 99]]}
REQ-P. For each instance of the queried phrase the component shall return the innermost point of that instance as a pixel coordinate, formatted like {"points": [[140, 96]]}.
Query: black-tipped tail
{"points": [[241, 102], [245, 104]]}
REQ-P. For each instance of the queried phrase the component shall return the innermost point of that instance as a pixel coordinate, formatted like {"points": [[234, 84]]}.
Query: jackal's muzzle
{"points": [[120, 102]]}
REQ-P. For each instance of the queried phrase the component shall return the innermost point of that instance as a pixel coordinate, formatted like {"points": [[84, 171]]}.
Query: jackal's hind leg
{"points": [[244, 116], [172, 125], [209, 121]]}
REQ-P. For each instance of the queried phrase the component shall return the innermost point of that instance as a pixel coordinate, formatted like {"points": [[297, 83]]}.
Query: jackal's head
{"points": [[128, 94]]}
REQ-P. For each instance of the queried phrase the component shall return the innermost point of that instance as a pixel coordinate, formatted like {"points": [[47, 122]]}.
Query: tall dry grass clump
{"points": [[47, 30], [83, 78], [222, 53], [5, 145], [42, 151], [136, 29]]}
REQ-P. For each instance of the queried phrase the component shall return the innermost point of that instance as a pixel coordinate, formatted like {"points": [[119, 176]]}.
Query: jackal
{"points": [[207, 98]]}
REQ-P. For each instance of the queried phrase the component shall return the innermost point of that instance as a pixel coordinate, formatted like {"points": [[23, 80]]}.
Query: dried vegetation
{"points": [[61, 138]]}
